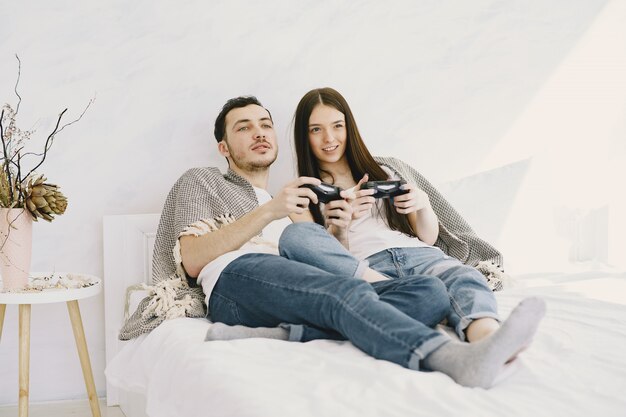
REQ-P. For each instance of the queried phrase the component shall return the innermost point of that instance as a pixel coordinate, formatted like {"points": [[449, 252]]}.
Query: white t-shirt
{"points": [[271, 234], [370, 234]]}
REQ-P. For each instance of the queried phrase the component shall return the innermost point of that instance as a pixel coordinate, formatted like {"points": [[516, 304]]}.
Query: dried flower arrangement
{"points": [[20, 188]]}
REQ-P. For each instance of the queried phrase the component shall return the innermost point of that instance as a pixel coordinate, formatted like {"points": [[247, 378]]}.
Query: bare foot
{"points": [[481, 328]]}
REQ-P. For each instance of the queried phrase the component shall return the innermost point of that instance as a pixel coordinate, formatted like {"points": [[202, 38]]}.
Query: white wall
{"points": [[439, 83]]}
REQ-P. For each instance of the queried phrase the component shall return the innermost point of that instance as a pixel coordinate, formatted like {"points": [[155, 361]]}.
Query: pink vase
{"points": [[16, 243]]}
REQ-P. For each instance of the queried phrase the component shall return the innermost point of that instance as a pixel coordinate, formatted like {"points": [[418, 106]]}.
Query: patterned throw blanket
{"points": [[203, 199]]}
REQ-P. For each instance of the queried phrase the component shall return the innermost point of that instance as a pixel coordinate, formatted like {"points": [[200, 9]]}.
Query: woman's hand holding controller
{"points": [[338, 216], [413, 201], [361, 200]]}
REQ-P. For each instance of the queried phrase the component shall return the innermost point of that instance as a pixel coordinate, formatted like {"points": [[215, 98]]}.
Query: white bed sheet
{"points": [[576, 366]]}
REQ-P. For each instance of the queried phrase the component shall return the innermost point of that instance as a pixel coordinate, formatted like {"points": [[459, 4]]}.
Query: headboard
{"points": [[127, 242]]}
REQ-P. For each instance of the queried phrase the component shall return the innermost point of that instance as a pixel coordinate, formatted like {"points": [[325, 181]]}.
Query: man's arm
{"points": [[198, 251]]}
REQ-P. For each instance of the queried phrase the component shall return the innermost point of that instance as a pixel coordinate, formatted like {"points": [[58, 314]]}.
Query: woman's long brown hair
{"points": [[359, 157]]}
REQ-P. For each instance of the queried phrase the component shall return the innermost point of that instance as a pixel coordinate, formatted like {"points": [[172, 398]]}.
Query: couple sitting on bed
{"points": [[357, 268]]}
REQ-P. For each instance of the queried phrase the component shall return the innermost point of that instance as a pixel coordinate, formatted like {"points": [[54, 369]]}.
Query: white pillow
{"points": [[485, 199]]}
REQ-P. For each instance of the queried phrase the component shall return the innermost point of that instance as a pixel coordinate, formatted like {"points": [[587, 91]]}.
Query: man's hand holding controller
{"points": [[294, 197], [337, 210]]}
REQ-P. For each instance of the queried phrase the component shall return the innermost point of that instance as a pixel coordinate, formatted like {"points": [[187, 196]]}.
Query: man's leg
{"points": [[422, 298], [260, 290], [311, 244]]}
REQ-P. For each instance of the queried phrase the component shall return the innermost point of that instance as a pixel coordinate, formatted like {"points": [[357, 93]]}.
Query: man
{"points": [[224, 230]]}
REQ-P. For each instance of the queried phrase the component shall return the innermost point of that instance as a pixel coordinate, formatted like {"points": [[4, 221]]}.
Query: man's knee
{"points": [[438, 297], [356, 293], [294, 237]]}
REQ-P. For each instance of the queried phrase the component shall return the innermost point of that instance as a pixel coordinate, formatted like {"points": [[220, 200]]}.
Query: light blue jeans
{"points": [[262, 290], [469, 295], [421, 297]]}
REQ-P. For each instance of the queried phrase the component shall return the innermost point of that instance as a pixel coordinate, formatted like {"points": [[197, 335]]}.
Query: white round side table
{"points": [[59, 287]]}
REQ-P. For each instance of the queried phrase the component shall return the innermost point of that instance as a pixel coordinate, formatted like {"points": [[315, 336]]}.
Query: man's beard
{"points": [[251, 166]]}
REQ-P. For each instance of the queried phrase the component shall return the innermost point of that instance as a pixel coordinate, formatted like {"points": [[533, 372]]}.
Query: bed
{"points": [[576, 365]]}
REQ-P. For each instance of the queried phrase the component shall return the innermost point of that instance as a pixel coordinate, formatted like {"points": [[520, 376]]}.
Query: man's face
{"points": [[250, 140]]}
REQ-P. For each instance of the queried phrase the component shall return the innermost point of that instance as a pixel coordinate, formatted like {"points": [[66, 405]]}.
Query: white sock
{"points": [[221, 331]]}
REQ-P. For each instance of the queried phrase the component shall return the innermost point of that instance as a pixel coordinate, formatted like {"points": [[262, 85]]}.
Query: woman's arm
{"points": [[416, 205]]}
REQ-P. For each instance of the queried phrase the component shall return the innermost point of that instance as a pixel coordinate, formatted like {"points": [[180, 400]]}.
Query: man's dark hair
{"points": [[233, 103]]}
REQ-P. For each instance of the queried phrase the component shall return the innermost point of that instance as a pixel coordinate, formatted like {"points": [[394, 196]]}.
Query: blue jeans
{"points": [[421, 297], [466, 288], [262, 290], [470, 296]]}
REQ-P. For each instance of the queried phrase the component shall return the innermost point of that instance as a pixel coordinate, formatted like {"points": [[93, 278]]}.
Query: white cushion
{"points": [[485, 199]]}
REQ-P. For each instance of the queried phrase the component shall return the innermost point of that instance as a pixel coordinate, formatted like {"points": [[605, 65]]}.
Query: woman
{"points": [[395, 236]]}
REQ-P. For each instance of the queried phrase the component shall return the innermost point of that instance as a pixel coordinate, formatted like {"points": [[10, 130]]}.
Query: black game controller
{"points": [[325, 192], [385, 189]]}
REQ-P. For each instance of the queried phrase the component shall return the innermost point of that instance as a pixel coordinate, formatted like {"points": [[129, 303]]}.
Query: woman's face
{"points": [[327, 134]]}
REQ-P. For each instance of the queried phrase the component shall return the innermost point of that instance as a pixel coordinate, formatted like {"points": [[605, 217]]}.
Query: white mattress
{"points": [[575, 367]]}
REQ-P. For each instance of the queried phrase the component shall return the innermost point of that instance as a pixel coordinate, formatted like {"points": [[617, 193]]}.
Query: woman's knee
{"points": [[465, 277]]}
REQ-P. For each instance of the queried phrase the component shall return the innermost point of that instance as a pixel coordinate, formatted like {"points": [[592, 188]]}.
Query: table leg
{"points": [[24, 358], [3, 308], [83, 354]]}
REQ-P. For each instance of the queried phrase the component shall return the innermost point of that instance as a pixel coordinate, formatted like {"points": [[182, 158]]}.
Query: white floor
{"points": [[63, 409]]}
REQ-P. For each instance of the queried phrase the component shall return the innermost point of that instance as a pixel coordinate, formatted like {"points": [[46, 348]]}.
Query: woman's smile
{"points": [[327, 134]]}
